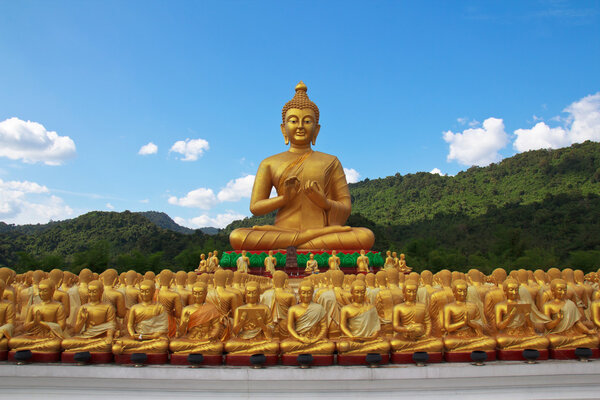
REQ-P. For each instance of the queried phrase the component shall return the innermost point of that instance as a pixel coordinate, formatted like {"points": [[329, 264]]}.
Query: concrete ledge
{"points": [[548, 380]]}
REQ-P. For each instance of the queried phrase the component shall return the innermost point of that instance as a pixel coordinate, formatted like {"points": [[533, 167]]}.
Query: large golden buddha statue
{"points": [[313, 200]]}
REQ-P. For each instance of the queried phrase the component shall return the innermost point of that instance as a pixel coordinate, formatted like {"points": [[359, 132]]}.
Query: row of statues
{"points": [[242, 314]]}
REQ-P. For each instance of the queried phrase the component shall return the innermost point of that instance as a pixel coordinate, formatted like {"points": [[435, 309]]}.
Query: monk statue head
{"points": [[181, 278], [57, 277], [558, 287], [459, 289], [85, 276], [199, 291], [358, 291], [95, 290], [165, 278], [381, 278], [147, 288], [191, 277], [511, 289], [305, 291], [130, 277], [279, 278], [220, 278], [252, 292], [109, 277], [46, 289], [410, 290]]}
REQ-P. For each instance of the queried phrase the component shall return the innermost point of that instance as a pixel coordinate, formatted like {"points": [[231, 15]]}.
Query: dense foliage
{"points": [[535, 210]]}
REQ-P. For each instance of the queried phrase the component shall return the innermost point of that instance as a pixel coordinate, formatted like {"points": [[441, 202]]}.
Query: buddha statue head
{"points": [[511, 289], [199, 291], [540, 276], [358, 291], [147, 288], [578, 276], [410, 290], [149, 275], [568, 275], [558, 287], [459, 289], [38, 276], [522, 276], [203, 256], [229, 277], [305, 291], [191, 278], [46, 289], [95, 290], [414, 276], [337, 278], [300, 119], [220, 278], [499, 275], [370, 280], [392, 276], [381, 279], [427, 277], [165, 278]]}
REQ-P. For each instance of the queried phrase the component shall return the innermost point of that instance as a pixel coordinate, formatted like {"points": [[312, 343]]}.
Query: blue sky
{"points": [[401, 86]]}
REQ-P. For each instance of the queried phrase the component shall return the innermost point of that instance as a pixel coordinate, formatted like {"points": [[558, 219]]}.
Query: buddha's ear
{"points": [[315, 134], [285, 136]]}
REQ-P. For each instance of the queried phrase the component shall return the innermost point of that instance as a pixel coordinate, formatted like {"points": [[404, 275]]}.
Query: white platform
{"points": [[506, 380]]}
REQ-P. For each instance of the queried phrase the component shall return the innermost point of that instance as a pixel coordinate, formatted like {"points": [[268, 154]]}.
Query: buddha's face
{"points": [[388, 253], [410, 292], [333, 253], [46, 291], [512, 291], [300, 126], [312, 257], [202, 256], [252, 294], [358, 293], [243, 253], [362, 252], [146, 293], [559, 291], [270, 252], [394, 254], [460, 292], [199, 294], [95, 292], [306, 294]]}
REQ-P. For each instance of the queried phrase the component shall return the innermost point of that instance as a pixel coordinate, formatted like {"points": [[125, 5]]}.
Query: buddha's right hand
{"points": [[290, 188]]}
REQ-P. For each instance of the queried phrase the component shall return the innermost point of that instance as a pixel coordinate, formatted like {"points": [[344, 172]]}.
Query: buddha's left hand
{"points": [[316, 194]]}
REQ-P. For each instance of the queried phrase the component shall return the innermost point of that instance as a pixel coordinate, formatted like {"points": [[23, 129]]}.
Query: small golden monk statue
{"points": [[252, 327], [463, 324], [44, 323], [362, 263], [202, 264], [200, 326], [214, 262], [170, 300], [242, 263], [7, 319], [389, 260], [514, 322], [57, 276], [402, 267], [312, 266], [270, 263], [224, 300], [333, 300], [132, 293], [313, 200], [147, 325], [333, 261], [359, 323], [412, 324], [566, 330], [95, 324], [279, 300], [180, 287], [307, 325]]}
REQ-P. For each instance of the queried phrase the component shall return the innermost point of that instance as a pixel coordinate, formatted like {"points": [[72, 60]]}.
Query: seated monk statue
{"points": [[412, 324], [181, 278], [402, 267], [94, 325], [242, 263], [307, 325], [566, 330], [57, 276], [202, 268], [333, 299], [359, 323], [362, 263], [463, 325], [389, 261], [334, 261], [147, 325], [312, 266], [7, 318], [279, 300], [252, 331], [200, 326], [313, 200], [170, 300], [515, 322], [43, 325]]}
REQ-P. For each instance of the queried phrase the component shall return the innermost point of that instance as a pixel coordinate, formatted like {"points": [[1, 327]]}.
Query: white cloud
{"points": [[110, 206], [145, 201], [24, 202], [201, 198], [204, 220], [31, 142], [237, 189], [191, 149], [437, 171], [581, 124], [477, 146], [148, 149], [352, 175]]}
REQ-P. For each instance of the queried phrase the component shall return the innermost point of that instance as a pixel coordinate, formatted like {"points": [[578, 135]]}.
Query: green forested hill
{"points": [[536, 209]]}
